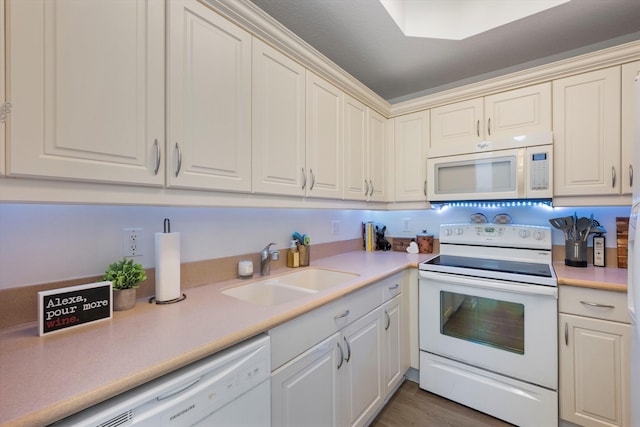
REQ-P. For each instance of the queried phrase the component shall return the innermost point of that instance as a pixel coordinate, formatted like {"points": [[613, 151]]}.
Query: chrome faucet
{"points": [[266, 256]]}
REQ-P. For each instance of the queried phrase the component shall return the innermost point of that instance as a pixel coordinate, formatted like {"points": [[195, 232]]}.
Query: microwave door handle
{"points": [[518, 288]]}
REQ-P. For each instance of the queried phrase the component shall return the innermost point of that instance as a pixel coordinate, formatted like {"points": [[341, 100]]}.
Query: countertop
{"points": [[607, 278], [43, 379]]}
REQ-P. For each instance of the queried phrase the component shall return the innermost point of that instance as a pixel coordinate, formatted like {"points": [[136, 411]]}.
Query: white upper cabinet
{"points": [[278, 122], [629, 73], [365, 173], [491, 122], [411, 141], [87, 88], [586, 127], [324, 138], [209, 100]]}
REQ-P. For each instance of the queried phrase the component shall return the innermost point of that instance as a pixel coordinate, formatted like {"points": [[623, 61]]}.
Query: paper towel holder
{"points": [[171, 301]]}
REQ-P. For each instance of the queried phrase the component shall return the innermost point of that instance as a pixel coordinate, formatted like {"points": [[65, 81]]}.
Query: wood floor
{"points": [[411, 406]]}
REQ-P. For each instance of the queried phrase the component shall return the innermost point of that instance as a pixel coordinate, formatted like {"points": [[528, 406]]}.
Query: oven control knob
{"points": [[538, 235], [524, 233], [447, 232], [459, 231]]}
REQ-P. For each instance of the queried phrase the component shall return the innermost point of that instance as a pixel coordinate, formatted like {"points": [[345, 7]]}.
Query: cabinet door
{"points": [[87, 89], [522, 111], [209, 109], [278, 151], [3, 106], [362, 371], [630, 118], [594, 371], [456, 128], [411, 138], [324, 138], [377, 157], [356, 179], [586, 122], [393, 344], [305, 391]]}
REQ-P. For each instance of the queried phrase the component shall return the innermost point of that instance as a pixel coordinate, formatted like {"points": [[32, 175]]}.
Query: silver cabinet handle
{"points": [[478, 128], [630, 175], [394, 287], [424, 188], [179, 153], [157, 147], [489, 126], [304, 179], [313, 179], [386, 313], [348, 350], [366, 187], [566, 334], [371, 185], [342, 316], [595, 304], [613, 176], [341, 356]]}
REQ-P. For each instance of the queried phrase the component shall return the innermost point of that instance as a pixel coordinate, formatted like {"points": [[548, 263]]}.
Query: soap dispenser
{"points": [[293, 257]]}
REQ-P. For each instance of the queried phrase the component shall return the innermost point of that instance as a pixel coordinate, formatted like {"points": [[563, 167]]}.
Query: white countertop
{"points": [[43, 379]]}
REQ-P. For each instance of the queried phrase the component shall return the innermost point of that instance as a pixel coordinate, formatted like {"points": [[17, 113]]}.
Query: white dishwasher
{"points": [[229, 388]]}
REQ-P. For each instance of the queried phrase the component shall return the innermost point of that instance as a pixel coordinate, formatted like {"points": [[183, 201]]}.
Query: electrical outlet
{"points": [[335, 227], [406, 222], [131, 242]]}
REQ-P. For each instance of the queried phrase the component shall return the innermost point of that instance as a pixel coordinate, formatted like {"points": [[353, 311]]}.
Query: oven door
{"points": [[504, 327]]}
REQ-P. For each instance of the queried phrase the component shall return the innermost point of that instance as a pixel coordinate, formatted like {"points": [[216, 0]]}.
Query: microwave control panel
{"points": [[539, 170]]}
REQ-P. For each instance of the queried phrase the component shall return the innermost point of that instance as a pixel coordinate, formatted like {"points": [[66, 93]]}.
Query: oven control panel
{"points": [[506, 235]]}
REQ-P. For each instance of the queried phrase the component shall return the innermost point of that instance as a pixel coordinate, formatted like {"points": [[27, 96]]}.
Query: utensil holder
{"points": [[304, 254], [575, 254]]}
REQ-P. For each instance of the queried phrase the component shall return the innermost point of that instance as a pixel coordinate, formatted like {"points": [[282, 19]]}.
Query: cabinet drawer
{"points": [[297, 335], [391, 286], [596, 303]]}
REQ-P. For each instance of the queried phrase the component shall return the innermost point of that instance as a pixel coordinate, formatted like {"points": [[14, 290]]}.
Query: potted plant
{"points": [[125, 277]]}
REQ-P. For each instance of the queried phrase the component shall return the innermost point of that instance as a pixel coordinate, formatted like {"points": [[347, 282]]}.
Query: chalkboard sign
{"points": [[73, 306]]}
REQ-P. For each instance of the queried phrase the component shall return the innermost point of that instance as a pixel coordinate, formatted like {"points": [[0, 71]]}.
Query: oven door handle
{"points": [[497, 285]]}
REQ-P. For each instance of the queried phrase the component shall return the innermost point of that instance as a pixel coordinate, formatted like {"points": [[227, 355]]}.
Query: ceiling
{"points": [[360, 37]]}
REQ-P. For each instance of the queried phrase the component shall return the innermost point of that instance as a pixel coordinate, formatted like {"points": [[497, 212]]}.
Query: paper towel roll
{"points": [[167, 266]]}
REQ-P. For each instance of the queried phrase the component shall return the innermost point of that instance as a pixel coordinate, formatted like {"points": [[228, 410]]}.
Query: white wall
{"points": [[45, 243]]}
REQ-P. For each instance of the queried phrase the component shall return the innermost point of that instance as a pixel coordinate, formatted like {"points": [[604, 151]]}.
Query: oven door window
{"points": [[486, 321]]}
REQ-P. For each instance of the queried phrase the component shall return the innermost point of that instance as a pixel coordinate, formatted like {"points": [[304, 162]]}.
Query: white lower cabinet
{"points": [[356, 361], [594, 358]]}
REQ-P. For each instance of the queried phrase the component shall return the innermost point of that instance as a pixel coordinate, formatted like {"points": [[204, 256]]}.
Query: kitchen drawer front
{"points": [[392, 286], [297, 335], [596, 303]]}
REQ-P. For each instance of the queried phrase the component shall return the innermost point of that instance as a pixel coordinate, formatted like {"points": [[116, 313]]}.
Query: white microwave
{"points": [[519, 173]]}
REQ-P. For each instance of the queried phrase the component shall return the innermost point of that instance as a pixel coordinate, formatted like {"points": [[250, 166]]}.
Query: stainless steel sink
{"points": [[289, 286]]}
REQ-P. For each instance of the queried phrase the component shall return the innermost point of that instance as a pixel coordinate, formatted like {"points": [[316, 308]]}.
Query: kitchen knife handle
{"points": [[566, 333], [613, 176], [304, 179], [366, 188], [371, 186], [179, 154], [157, 147], [341, 355], [630, 175], [489, 125]]}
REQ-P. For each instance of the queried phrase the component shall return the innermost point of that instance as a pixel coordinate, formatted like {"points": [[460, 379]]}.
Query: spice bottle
{"points": [[293, 256]]}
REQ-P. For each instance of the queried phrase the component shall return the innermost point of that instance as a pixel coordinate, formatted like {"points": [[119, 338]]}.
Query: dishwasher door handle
{"points": [[179, 390]]}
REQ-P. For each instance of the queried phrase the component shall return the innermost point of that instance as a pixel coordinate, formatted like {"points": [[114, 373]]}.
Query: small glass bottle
{"points": [[293, 257]]}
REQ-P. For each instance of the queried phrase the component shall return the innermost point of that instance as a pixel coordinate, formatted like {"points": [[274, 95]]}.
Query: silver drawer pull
{"points": [[341, 316], [394, 287], [595, 304], [341, 356]]}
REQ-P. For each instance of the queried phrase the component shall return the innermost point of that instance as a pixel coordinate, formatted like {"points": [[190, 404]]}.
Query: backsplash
{"points": [[49, 243]]}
